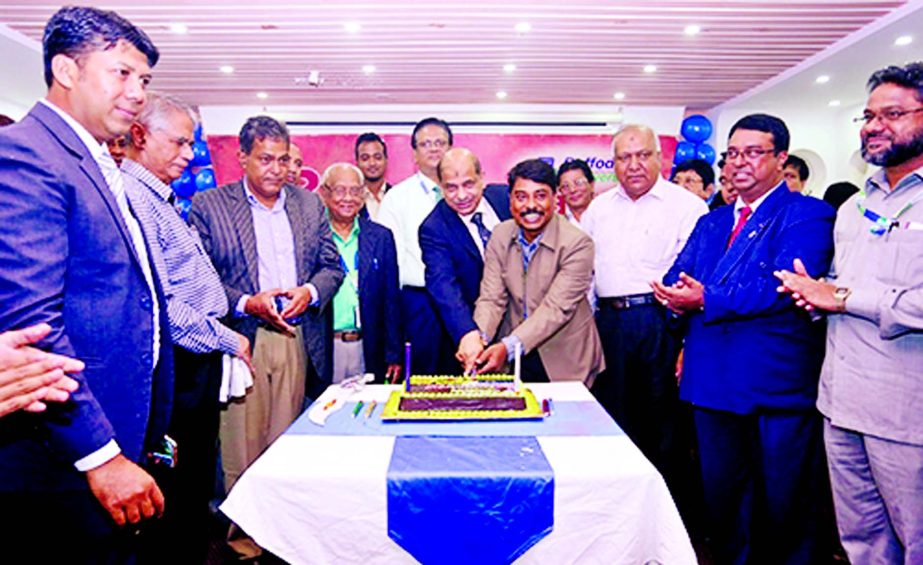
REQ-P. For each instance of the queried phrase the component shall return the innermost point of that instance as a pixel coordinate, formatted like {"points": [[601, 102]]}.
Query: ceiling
{"points": [[452, 52]]}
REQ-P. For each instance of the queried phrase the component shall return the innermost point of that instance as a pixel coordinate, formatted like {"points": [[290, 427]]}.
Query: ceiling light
{"points": [[650, 69], [903, 40], [262, 95], [501, 95], [352, 27], [822, 79], [833, 103], [226, 69], [619, 95], [523, 27], [179, 28], [692, 29], [368, 69], [509, 68]]}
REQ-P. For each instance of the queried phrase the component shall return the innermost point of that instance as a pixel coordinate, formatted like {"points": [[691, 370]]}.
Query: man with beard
{"points": [[537, 270], [870, 388], [372, 160]]}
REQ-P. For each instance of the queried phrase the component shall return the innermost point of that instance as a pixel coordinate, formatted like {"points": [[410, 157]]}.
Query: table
{"points": [[319, 494]]}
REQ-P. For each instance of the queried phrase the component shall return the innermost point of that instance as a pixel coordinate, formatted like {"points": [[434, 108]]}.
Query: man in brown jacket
{"points": [[537, 270]]}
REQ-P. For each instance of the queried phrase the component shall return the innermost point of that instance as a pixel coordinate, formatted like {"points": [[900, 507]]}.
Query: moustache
{"points": [[538, 211]]}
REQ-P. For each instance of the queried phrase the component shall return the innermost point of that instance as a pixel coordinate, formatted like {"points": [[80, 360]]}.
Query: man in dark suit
{"points": [[366, 308], [759, 434], [453, 239], [73, 256], [272, 249]]}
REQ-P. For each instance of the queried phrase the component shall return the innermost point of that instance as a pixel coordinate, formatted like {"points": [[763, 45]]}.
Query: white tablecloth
{"points": [[323, 499]]}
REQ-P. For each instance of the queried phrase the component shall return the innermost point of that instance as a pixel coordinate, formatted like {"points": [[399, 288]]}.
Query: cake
{"points": [[454, 398]]}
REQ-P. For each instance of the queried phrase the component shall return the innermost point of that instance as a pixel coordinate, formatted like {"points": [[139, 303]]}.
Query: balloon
{"points": [[685, 150], [183, 206], [200, 155], [205, 179], [705, 152], [696, 128], [184, 187], [198, 132]]}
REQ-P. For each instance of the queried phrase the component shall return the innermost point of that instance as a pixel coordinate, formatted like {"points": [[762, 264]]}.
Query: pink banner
{"points": [[498, 154]]}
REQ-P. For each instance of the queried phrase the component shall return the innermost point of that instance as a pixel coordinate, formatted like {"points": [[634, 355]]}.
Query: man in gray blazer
{"points": [[272, 248]]}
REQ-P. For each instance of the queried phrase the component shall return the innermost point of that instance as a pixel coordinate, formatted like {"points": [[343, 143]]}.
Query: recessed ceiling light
{"points": [[833, 103], [509, 68], [822, 79], [903, 40], [692, 29], [368, 69], [179, 28], [501, 94], [619, 95], [352, 27], [650, 69], [262, 95], [226, 69], [523, 27]]}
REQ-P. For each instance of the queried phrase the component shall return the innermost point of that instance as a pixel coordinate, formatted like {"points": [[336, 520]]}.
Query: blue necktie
{"points": [[478, 220]]}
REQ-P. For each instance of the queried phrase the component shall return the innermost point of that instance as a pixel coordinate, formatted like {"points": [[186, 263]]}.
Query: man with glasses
{"points": [[870, 386], [368, 301], [402, 211], [159, 146], [759, 434], [638, 229], [272, 248], [696, 176], [576, 185]]}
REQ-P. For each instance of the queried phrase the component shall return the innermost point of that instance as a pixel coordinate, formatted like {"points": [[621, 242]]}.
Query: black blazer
{"points": [[379, 298]]}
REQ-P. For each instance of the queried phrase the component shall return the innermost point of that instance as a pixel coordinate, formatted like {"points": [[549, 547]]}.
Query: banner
{"points": [[498, 154]]}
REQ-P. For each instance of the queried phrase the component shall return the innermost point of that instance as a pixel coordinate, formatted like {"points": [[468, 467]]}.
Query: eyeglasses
{"points": [[341, 191], [430, 143], [887, 116], [641, 155], [579, 183], [751, 153]]}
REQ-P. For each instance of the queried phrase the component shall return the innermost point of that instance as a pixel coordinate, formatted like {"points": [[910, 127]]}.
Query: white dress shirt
{"points": [[488, 217], [113, 177], [402, 211], [637, 240]]}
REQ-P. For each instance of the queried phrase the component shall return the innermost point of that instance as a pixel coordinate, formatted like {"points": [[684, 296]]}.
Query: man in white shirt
{"points": [[402, 211], [576, 184], [453, 239], [639, 228]]}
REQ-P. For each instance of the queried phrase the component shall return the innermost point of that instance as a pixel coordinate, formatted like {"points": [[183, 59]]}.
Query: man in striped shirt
{"points": [[159, 148]]}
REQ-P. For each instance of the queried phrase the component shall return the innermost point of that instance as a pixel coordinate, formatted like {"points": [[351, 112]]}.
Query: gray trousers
{"points": [[878, 495], [348, 359]]}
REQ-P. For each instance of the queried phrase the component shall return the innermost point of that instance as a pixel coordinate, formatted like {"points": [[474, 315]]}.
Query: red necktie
{"points": [[744, 214]]}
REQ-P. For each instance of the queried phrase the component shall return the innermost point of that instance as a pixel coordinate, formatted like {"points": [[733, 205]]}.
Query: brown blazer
{"points": [[560, 322]]}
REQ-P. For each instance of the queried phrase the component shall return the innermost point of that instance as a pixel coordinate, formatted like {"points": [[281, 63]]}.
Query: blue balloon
{"points": [[200, 155], [184, 186], [685, 150], [184, 206], [205, 179], [706, 153], [198, 132], [696, 128]]}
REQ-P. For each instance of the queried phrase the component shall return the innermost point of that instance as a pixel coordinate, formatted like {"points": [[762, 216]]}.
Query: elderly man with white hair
{"points": [[159, 148], [366, 308]]}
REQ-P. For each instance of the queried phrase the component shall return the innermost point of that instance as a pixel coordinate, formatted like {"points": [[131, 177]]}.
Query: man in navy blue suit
{"points": [[72, 255], [758, 431], [366, 308], [453, 238]]}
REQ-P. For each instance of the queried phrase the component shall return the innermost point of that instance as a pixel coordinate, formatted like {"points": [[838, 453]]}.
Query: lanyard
{"points": [[884, 224]]}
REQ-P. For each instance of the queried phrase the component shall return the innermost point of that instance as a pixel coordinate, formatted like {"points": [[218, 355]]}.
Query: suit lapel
{"points": [[752, 231], [367, 259], [298, 222], [242, 226], [460, 233]]}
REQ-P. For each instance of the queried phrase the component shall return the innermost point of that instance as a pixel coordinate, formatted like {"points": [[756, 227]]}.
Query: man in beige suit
{"points": [[537, 270]]}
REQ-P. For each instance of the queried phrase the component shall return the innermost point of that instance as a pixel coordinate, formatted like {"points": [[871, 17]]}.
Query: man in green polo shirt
{"points": [[366, 308]]}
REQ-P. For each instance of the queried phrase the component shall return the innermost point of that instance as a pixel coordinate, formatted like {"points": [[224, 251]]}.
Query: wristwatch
{"points": [[840, 295]]}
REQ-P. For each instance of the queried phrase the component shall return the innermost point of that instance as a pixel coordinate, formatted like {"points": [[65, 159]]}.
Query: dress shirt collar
{"points": [[739, 203], [354, 232], [482, 208], [657, 191], [138, 171], [254, 203], [95, 147], [427, 183], [879, 181]]}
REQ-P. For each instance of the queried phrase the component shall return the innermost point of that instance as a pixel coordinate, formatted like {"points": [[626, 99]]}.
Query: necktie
{"points": [[744, 214], [478, 220]]}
